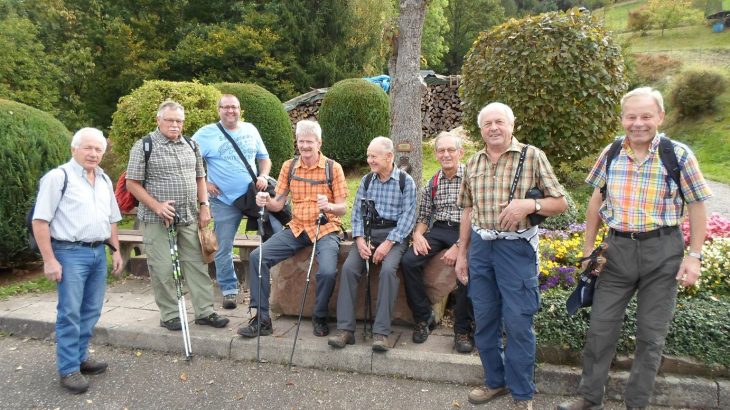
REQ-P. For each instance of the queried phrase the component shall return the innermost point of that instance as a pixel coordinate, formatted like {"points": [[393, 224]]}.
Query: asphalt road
{"points": [[152, 380]]}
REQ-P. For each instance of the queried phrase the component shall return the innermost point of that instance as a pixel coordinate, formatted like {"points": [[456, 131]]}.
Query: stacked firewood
{"points": [[440, 109], [305, 111]]}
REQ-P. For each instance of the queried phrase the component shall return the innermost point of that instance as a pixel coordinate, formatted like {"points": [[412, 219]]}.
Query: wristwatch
{"points": [[697, 255], [206, 203], [457, 243], [538, 207]]}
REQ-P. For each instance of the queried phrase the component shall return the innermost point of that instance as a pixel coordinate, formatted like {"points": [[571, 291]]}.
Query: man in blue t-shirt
{"points": [[229, 179]]}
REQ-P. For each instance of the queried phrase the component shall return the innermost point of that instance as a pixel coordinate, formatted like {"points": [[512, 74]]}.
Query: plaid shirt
{"points": [[443, 206], [637, 199], [304, 195], [389, 202], [487, 185], [171, 175]]}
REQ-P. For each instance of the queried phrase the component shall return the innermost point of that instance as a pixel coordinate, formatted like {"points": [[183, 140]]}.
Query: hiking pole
{"points": [[320, 220], [258, 308], [177, 276], [367, 230]]}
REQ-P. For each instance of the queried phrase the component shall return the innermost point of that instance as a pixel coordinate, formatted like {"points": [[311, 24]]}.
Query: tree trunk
{"points": [[407, 88]]}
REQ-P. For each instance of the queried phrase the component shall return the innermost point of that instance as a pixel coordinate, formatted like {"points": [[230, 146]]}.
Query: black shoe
{"points": [[212, 320], [229, 302], [422, 329], [463, 343], [75, 383], [321, 328], [172, 324], [252, 329], [91, 366]]}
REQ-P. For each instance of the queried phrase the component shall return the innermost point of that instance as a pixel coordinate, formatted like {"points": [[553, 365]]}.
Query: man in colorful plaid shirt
{"points": [[311, 194], [643, 209], [500, 245]]}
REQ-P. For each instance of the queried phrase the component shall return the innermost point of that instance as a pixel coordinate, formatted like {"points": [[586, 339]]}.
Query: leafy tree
{"points": [[667, 14], [435, 27], [639, 20], [466, 19], [561, 73]]}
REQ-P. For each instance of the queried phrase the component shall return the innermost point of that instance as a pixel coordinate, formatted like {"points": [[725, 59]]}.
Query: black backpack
{"points": [[401, 181], [666, 155]]}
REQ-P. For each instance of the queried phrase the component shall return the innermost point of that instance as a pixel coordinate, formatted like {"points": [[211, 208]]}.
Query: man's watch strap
{"points": [[697, 255], [206, 203]]}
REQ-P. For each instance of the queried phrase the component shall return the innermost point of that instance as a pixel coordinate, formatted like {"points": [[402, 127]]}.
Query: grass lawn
{"points": [[689, 37], [615, 17]]}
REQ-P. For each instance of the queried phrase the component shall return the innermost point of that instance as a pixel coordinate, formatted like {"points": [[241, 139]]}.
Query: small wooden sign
{"points": [[404, 147]]}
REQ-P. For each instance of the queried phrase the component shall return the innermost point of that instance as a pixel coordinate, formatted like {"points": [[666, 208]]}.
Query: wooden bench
{"points": [[130, 240]]}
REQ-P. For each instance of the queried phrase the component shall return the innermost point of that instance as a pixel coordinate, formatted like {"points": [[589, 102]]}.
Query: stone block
{"points": [[289, 279]]}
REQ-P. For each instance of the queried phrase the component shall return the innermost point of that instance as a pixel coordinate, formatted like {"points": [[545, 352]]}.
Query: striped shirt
{"points": [[637, 198], [171, 175], [85, 212], [390, 203], [487, 185], [304, 195], [443, 206]]}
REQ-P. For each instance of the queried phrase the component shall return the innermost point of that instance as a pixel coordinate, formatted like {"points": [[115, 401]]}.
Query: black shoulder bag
{"points": [[532, 193]]}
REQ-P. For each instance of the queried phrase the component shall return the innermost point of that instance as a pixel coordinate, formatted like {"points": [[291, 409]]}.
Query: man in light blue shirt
{"points": [[228, 179]]}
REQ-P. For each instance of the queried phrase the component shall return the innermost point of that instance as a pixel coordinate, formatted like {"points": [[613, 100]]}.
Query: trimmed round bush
{"points": [[32, 142], [353, 112], [264, 110], [136, 112], [695, 92], [561, 73]]}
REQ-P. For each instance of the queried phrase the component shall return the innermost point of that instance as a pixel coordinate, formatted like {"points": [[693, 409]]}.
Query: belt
{"points": [[384, 223], [86, 244], [447, 225], [640, 236]]}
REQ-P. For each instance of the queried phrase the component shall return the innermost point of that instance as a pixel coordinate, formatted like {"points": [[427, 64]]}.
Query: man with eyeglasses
{"points": [[228, 179], [170, 185], [437, 229], [498, 252]]}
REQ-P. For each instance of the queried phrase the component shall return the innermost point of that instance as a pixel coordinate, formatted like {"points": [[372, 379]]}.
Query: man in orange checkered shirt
{"points": [[312, 191]]}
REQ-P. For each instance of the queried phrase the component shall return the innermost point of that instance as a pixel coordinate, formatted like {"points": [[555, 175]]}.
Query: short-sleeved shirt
{"points": [[85, 212], [390, 202], [487, 184], [637, 196], [304, 195], [172, 171], [225, 168], [443, 206]]}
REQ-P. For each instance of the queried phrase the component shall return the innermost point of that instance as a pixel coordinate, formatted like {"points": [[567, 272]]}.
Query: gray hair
{"points": [[384, 142], [88, 132], [504, 107], [169, 105], [442, 134], [647, 91], [306, 127]]}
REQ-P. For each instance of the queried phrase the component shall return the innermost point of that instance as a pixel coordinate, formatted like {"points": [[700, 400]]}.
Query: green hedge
{"points": [[700, 329], [694, 92], [264, 110], [353, 112], [136, 112], [31, 143]]}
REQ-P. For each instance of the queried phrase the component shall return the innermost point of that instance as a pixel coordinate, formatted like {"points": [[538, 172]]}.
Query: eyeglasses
{"points": [[229, 107], [173, 121], [445, 150]]}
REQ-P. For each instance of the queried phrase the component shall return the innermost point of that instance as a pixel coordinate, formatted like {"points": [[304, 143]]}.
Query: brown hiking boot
{"points": [[342, 338], [380, 343], [463, 343], [521, 405], [579, 404], [91, 366], [75, 383], [483, 394]]}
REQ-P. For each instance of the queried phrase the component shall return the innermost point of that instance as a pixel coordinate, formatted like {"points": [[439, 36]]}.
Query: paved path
{"points": [[720, 201], [130, 320]]}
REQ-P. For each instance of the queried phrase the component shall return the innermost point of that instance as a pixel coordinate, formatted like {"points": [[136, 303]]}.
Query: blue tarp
{"points": [[382, 80]]}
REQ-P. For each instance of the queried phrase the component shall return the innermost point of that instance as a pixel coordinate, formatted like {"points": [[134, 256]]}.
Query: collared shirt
{"points": [[390, 203], [443, 207], [304, 195], [637, 199], [225, 168], [486, 184], [171, 175], [85, 212]]}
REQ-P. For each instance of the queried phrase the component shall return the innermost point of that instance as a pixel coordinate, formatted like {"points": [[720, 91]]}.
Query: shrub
{"points": [[264, 110], [562, 75], [135, 115], [651, 68], [32, 143], [353, 112], [564, 220], [639, 20], [700, 328], [695, 92]]}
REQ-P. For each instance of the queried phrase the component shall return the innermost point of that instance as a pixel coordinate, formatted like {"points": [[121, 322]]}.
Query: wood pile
{"points": [[305, 111]]}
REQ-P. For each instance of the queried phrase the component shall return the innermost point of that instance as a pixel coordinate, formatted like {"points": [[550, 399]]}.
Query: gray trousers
{"points": [[352, 271], [647, 268]]}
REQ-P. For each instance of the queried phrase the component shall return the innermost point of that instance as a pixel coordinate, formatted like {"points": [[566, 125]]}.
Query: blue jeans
{"points": [[226, 220], [503, 287], [80, 298], [283, 245]]}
